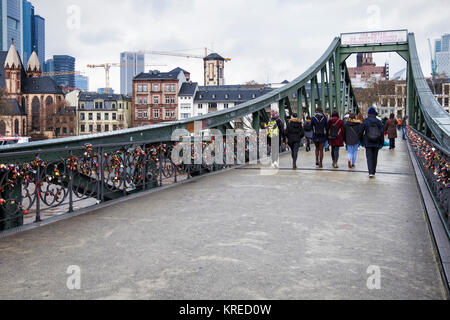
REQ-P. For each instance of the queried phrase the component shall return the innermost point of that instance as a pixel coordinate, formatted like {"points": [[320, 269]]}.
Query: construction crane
{"points": [[108, 66], [179, 54], [61, 73], [433, 66]]}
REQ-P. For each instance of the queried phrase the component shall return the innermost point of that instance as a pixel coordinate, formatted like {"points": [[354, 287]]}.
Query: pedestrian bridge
{"points": [[139, 225], [241, 234]]}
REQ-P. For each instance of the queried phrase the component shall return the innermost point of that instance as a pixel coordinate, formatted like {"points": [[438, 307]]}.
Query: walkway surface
{"points": [[303, 234]]}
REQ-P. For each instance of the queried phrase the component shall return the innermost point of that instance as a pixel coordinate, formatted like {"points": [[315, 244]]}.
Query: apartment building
{"points": [[99, 113], [155, 96]]}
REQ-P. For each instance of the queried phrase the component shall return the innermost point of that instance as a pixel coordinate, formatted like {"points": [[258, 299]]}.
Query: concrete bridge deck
{"points": [[303, 234]]}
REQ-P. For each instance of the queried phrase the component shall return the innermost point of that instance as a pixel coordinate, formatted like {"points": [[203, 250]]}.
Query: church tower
{"points": [[214, 70], [34, 69], [13, 73]]}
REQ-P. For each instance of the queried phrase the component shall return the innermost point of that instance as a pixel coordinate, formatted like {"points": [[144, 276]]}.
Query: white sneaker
{"points": [[371, 176], [276, 165]]}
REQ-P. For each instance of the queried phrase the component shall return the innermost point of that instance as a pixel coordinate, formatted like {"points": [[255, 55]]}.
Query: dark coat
{"points": [[339, 142], [319, 117], [352, 128], [363, 131], [294, 131], [391, 128]]}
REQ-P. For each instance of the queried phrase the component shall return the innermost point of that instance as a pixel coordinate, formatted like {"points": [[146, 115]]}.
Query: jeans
{"points": [[391, 143], [335, 154], [404, 132], [372, 159], [353, 153], [294, 149]]}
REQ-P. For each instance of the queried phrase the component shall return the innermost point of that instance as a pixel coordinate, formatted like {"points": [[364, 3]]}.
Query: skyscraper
{"points": [[27, 22], [64, 63], [131, 64], [38, 37], [446, 42], [442, 55], [82, 82], [11, 24]]}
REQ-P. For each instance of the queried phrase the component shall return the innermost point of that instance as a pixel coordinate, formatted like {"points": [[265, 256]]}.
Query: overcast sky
{"points": [[267, 40]]}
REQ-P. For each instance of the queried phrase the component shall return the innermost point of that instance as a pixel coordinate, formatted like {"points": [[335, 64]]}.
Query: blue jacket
{"points": [[365, 128]]}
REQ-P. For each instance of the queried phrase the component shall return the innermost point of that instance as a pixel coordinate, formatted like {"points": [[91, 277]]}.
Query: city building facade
{"points": [[131, 64], [442, 55], [11, 24], [214, 66], [155, 96], [65, 64], [366, 71], [38, 37], [98, 113]]}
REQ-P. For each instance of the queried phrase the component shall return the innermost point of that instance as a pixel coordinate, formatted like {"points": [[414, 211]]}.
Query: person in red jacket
{"points": [[336, 136]]}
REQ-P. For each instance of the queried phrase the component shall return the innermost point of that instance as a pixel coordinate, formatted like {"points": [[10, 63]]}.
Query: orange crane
{"points": [[108, 66]]}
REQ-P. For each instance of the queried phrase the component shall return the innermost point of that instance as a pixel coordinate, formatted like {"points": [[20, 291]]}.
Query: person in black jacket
{"points": [[294, 135], [352, 128], [372, 135]]}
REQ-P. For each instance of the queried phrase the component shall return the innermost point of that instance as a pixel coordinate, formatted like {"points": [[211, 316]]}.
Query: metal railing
{"points": [[434, 163], [42, 188]]}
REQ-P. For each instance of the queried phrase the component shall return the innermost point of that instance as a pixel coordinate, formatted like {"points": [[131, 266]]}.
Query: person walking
{"points": [[352, 128], [320, 124], [404, 123], [391, 129], [307, 127], [294, 135], [372, 135], [336, 136], [275, 130]]}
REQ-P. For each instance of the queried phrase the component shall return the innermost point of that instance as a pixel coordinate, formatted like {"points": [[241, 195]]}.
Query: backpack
{"points": [[272, 129], [334, 133], [373, 134], [320, 128], [307, 126]]}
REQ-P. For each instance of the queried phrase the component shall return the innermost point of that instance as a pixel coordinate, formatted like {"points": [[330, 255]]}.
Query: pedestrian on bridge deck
{"points": [[352, 128], [308, 128], [372, 135], [404, 123], [336, 136], [320, 124], [294, 135], [391, 129]]}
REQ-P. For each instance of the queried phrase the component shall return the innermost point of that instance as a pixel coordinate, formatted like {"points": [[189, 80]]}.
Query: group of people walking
{"points": [[352, 132]]}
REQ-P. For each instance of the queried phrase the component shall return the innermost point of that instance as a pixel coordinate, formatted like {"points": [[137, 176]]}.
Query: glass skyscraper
{"points": [[11, 24], [27, 21], [442, 55], [38, 37], [131, 64], [63, 63], [82, 82]]}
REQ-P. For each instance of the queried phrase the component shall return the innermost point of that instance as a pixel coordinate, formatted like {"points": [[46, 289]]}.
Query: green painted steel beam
{"points": [[347, 50]]}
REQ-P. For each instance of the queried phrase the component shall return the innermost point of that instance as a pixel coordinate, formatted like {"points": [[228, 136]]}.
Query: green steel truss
{"points": [[326, 83]]}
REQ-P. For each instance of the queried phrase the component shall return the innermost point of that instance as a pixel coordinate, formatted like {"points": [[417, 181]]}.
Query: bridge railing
{"points": [[60, 181], [434, 163]]}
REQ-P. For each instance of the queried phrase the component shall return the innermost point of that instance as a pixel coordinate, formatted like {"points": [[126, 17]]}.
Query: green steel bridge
{"points": [[45, 182]]}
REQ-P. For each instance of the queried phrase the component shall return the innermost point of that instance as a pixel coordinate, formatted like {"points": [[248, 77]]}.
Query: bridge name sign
{"points": [[378, 37]]}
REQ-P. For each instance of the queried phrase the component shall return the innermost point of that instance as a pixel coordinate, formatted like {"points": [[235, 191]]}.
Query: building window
{"points": [[98, 105], [156, 99], [91, 116], [155, 87], [91, 128], [139, 100], [120, 106], [114, 116], [139, 88], [167, 100], [114, 127], [167, 114], [145, 114], [172, 114], [82, 106], [106, 116], [227, 96], [99, 128], [225, 106], [214, 96], [145, 88], [113, 105], [83, 128], [139, 114], [64, 130], [173, 88], [106, 127], [167, 88], [200, 106], [99, 116], [145, 101], [156, 114], [172, 100], [82, 116]]}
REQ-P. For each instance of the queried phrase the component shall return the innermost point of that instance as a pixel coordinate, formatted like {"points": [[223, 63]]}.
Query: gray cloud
{"points": [[275, 39]]}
